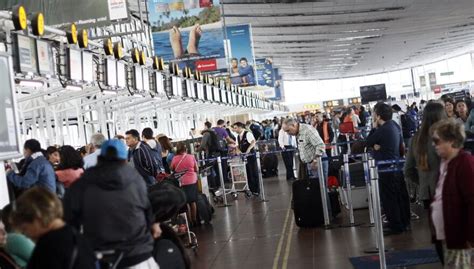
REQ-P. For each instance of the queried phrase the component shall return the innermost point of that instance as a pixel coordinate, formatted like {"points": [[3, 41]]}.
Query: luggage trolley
{"points": [[238, 175]]}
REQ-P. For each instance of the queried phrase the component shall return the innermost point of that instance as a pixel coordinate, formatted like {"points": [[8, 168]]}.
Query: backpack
{"points": [[408, 125], [256, 131], [221, 143], [213, 142]]}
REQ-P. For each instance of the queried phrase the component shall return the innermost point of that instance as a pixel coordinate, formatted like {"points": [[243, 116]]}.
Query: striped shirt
{"points": [[310, 144]]}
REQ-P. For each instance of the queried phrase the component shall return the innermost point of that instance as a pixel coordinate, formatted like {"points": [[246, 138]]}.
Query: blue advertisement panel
{"points": [[265, 76], [240, 53], [189, 32], [278, 85]]}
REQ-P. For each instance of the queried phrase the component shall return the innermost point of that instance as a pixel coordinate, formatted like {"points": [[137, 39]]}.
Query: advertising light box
{"points": [[74, 64], [45, 58], [26, 60], [121, 75], [87, 67], [111, 71]]}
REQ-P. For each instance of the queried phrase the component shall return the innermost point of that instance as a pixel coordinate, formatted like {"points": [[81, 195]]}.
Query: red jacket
{"points": [[458, 201]]}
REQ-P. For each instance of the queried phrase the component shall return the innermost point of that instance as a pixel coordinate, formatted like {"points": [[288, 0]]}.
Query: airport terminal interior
{"points": [[199, 134]]}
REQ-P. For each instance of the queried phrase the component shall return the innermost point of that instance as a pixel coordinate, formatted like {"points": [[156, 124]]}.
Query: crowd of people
{"points": [[110, 195]]}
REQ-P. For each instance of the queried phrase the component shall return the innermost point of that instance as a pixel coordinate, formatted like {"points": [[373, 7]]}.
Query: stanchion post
{"points": [[324, 192], [260, 178], [377, 213], [349, 189], [221, 178], [365, 161]]}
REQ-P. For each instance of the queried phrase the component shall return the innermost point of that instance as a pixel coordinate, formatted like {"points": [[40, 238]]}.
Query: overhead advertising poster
{"points": [[240, 53], [422, 81], [265, 76], [278, 85], [432, 77], [85, 13], [189, 32]]}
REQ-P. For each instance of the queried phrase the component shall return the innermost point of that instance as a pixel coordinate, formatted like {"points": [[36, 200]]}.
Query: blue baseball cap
{"points": [[118, 145]]}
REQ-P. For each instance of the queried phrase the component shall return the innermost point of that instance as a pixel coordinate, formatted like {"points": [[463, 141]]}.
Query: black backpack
{"points": [[408, 125]]}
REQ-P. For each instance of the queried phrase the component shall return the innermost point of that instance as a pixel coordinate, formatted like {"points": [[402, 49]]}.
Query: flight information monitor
{"points": [[138, 77], [9, 144], [159, 83], [45, 58], [87, 67], [217, 96], [74, 64], [111, 71], [373, 93], [121, 75], [146, 80], [26, 60]]}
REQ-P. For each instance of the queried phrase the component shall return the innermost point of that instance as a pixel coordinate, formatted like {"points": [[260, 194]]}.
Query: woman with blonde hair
{"points": [[39, 215]]}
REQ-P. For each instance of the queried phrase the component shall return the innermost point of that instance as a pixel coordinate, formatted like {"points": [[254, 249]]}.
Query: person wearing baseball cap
{"points": [[110, 202]]}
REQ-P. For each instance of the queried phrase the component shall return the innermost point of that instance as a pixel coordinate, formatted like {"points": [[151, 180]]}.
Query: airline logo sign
{"points": [[206, 65]]}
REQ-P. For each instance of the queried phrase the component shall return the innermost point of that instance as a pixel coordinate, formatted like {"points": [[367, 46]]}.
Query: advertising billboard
{"points": [[265, 76], [188, 32], [240, 53]]}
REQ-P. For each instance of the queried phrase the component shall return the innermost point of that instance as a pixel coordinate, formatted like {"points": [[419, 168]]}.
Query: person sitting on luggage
{"points": [[37, 170], [39, 215], [247, 143], [141, 157], [110, 203], [166, 201], [184, 162]]}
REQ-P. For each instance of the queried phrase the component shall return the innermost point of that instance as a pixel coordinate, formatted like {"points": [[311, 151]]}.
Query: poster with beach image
{"points": [[189, 32]]}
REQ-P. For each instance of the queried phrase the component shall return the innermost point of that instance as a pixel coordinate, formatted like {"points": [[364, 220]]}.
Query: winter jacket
{"points": [[110, 202], [156, 151], [39, 172]]}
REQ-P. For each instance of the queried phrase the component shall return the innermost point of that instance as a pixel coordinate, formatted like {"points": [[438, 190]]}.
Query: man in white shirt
{"points": [[287, 142], [96, 142]]}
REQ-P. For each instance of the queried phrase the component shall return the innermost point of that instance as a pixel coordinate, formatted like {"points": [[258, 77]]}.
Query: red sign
{"points": [[437, 90], [206, 65]]}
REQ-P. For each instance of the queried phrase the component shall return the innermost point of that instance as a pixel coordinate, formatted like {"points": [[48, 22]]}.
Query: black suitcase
{"points": [[356, 171], [269, 165], [204, 208], [307, 204]]}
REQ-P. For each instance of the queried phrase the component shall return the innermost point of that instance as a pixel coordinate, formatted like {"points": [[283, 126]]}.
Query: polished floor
{"points": [[252, 234]]}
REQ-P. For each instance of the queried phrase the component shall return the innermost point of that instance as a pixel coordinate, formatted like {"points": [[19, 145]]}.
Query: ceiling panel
{"points": [[354, 37]]}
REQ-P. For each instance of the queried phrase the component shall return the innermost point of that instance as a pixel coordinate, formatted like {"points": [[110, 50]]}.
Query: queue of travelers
{"points": [[71, 205]]}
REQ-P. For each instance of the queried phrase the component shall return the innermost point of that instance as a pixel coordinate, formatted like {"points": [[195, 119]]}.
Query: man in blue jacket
{"points": [[141, 157], [387, 142], [37, 171]]}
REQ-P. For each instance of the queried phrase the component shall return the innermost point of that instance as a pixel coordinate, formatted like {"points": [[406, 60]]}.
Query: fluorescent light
{"points": [[73, 88], [31, 83]]}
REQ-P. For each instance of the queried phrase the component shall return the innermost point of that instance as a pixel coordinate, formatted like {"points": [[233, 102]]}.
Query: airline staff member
{"points": [[247, 143], [287, 142]]}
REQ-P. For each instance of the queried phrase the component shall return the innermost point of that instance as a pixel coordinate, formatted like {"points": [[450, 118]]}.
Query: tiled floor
{"points": [[250, 235]]}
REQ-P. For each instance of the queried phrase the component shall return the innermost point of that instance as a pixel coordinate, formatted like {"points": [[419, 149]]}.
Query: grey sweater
{"points": [[425, 179]]}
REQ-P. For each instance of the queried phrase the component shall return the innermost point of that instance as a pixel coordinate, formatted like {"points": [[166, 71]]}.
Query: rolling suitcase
{"points": [[358, 186], [307, 204]]}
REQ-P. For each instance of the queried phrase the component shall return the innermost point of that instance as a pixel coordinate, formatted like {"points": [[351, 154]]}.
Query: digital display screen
{"points": [[190, 88], [146, 80], [234, 98], [111, 71], [138, 78], [45, 58], [373, 93], [75, 64], [217, 96], [200, 92], [87, 67], [121, 75], [27, 62], [9, 144], [159, 86], [209, 93]]}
